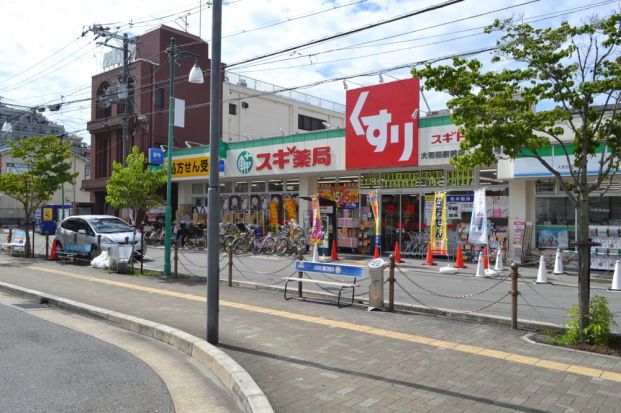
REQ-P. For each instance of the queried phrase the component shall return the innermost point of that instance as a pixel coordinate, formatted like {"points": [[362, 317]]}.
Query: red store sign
{"points": [[296, 158], [381, 130]]}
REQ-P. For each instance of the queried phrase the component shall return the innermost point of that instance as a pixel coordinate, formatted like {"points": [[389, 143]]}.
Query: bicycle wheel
{"points": [[281, 247], [241, 245], [255, 245], [300, 244], [269, 246], [200, 242], [227, 242]]}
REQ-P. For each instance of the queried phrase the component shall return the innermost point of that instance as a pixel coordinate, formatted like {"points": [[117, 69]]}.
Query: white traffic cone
{"points": [[480, 270], [315, 253], [498, 265], [558, 263], [542, 276], [616, 281]]}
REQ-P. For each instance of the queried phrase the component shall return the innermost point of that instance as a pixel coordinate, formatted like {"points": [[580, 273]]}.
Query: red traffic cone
{"points": [[485, 259], [459, 260], [376, 253], [54, 253], [334, 254], [398, 253], [429, 260]]}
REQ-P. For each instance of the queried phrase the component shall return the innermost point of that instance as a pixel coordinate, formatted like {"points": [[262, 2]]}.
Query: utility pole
{"points": [[123, 88]]}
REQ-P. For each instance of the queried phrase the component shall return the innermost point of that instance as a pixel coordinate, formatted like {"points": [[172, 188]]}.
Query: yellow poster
{"points": [[47, 214], [290, 209], [198, 166], [439, 238]]}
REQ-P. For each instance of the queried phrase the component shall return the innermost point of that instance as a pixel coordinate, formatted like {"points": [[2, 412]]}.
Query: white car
{"points": [[85, 229]]}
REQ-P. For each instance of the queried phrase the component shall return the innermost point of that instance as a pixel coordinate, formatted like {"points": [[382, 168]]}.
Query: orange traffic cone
{"points": [[54, 253], [398, 253], [376, 253], [429, 260], [485, 258], [334, 255], [459, 259]]}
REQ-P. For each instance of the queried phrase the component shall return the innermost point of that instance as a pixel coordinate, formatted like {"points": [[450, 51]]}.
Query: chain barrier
{"points": [[243, 275], [500, 281], [265, 273], [546, 298], [476, 310], [202, 267], [536, 311]]}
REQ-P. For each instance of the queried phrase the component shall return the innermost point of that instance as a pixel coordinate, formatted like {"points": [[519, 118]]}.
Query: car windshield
{"points": [[110, 225]]}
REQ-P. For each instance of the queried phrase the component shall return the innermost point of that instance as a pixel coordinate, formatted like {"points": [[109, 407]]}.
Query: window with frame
{"points": [[310, 123], [232, 109]]}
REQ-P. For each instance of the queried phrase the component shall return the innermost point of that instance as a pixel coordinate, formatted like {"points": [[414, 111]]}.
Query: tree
{"points": [[134, 186], [574, 72], [47, 168]]}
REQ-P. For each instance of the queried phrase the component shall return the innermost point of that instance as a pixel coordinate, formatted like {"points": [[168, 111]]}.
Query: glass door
{"points": [[400, 216]]}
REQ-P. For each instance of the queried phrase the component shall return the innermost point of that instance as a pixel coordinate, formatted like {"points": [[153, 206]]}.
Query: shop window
{"points": [[241, 187], [293, 185], [257, 186], [226, 187], [198, 189], [275, 185], [545, 186], [554, 211]]}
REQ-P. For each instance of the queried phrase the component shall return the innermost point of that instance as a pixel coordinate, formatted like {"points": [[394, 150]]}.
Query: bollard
{"points": [[99, 242], [391, 285], [300, 275], [176, 258], [33, 239], [143, 248], [514, 295], [230, 250], [47, 246], [131, 255]]}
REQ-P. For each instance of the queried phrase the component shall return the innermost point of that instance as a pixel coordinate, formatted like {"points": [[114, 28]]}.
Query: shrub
{"points": [[597, 331]]}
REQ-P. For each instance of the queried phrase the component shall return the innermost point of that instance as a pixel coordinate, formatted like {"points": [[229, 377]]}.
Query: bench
{"points": [[18, 240], [72, 252], [349, 274]]}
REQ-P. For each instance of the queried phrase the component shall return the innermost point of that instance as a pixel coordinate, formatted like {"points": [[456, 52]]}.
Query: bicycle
{"points": [[259, 244], [292, 240]]}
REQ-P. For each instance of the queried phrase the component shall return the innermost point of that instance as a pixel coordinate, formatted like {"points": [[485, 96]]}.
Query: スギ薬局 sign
{"points": [[382, 125]]}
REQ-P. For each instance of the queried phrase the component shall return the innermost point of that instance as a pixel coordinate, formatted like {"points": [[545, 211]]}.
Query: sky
{"points": [[49, 59]]}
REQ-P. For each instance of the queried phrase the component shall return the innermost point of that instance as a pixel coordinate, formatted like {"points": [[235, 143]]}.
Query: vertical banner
{"points": [[439, 238], [373, 201], [519, 227], [290, 209], [478, 221], [316, 234]]}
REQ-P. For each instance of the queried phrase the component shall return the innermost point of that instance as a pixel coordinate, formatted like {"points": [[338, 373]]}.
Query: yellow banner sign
{"points": [[185, 167], [439, 239]]}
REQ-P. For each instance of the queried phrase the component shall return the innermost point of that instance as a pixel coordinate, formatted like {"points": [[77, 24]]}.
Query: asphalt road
{"points": [[45, 367]]}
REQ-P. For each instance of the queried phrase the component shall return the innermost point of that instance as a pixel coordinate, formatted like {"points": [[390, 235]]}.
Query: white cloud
{"points": [[46, 60]]}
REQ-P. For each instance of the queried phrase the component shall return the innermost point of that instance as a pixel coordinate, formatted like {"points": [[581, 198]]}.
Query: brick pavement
{"points": [[317, 358]]}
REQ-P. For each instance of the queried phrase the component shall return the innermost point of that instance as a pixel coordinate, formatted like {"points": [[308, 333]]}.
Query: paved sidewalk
{"points": [[309, 357]]}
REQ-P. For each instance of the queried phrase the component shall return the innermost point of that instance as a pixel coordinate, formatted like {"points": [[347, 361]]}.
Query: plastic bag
{"points": [[101, 261]]}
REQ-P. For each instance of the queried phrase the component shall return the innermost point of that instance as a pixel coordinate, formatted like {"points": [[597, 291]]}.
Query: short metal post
{"points": [[99, 243], [300, 275], [75, 237], [33, 241], [176, 257], [47, 246], [230, 251], [514, 295], [10, 235], [142, 246], [391, 285]]}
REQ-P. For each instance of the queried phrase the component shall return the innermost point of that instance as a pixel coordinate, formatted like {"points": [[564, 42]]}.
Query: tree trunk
{"points": [[584, 262], [27, 229]]}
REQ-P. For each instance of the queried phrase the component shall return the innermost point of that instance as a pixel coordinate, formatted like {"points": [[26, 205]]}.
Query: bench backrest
{"points": [[329, 268]]}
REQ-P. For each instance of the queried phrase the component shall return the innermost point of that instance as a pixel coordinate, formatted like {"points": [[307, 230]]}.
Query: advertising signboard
{"points": [[382, 125]]}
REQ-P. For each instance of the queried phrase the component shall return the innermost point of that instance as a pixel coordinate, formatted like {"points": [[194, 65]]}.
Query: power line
{"points": [[349, 32]]}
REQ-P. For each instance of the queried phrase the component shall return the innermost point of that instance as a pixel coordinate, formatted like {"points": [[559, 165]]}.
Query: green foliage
{"points": [[597, 330], [569, 69], [134, 186], [48, 164]]}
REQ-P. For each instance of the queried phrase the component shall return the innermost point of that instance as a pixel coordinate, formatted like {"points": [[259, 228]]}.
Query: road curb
{"points": [[249, 397]]}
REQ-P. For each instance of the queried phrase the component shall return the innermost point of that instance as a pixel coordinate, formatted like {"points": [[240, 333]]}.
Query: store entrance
{"points": [[400, 215]]}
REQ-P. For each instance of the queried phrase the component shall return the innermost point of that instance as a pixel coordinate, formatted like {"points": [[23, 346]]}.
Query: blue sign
{"points": [[460, 198], [221, 166], [327, 268], [156, 156]]}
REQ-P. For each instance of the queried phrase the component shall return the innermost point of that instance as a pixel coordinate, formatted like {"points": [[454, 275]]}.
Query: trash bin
{"points": [[120, 256], [376, 284]]}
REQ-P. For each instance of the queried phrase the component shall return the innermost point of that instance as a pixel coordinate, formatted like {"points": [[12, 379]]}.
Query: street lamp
{"points": [[196, 76]]}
